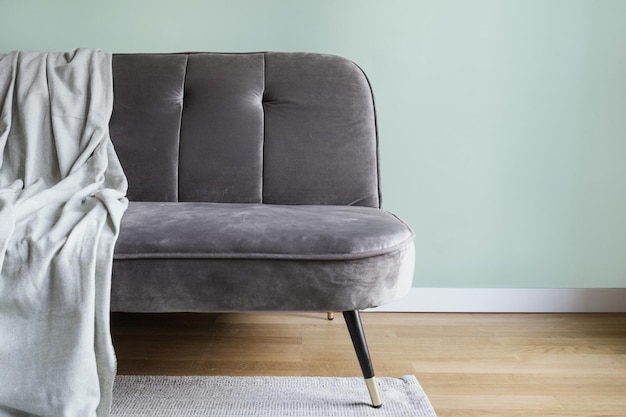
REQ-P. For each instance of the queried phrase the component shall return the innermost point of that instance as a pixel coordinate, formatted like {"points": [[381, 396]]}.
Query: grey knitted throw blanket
{"points": [[62, 196]]}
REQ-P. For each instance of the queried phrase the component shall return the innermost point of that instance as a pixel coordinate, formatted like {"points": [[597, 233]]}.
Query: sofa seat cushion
{"points": [[212, 257], [252, 231]]}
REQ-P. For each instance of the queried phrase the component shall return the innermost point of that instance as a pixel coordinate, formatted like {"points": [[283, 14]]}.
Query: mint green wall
{"points": [[503, 123]]}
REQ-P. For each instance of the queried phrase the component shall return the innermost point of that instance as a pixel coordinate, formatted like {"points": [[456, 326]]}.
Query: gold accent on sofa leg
{"points": [[372, 387], [330, 315]]}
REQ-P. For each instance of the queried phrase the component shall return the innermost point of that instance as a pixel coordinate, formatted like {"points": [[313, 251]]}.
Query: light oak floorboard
{"points": [[487, 365]]}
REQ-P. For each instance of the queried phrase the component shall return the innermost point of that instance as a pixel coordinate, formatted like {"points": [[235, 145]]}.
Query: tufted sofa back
{"points": [[274, 128]]}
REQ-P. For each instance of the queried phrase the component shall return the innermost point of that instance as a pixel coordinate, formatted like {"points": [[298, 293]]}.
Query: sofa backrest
{"points": [[274, 128]]}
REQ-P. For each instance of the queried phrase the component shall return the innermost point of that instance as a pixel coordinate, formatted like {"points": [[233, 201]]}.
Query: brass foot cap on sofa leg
{"points": [[330, 315], [372, 387]]}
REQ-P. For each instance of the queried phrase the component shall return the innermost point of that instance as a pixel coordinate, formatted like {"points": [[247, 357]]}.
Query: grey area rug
{"points": [[222, 396]]}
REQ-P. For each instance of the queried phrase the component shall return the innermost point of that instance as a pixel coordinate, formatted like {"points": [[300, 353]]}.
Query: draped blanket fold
{"points": [[62, 196]]}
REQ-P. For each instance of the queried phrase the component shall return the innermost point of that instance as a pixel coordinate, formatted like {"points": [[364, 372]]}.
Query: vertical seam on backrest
{"points": [[263, 130], [180, 127]]}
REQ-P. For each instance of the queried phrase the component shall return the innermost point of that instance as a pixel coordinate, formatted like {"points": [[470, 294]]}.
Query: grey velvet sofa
{"points": [[254, 186]]}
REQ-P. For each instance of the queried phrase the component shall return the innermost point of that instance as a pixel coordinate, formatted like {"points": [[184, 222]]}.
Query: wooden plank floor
{"points": [[487, 365]]}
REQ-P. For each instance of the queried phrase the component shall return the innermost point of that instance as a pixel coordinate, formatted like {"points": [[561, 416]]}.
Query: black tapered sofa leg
{"points": [[353, 321]]}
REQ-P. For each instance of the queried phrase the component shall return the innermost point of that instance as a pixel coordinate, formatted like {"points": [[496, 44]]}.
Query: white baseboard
{"points": [[510, 300]]}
